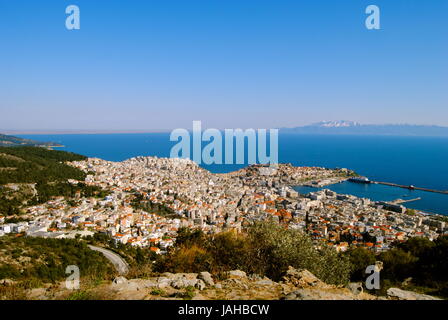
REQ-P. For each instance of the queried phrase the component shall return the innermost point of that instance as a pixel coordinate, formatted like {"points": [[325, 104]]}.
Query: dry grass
{"points": [[140, 272], [13, 292]]}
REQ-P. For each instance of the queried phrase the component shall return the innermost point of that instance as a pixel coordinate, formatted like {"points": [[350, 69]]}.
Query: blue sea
{"points": [[420, 161]]}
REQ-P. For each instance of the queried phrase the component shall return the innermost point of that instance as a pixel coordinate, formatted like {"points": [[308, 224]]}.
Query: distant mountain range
{"points": [[12, 141], [334, 127], [354, 128]]}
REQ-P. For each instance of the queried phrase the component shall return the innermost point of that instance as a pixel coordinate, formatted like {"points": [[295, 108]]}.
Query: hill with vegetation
{"points": [[33, 175], [266, 261], [417, 264], [33, 262], [12, 141]]}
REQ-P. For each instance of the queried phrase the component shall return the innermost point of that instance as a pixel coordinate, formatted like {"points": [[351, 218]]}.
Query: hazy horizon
{"points": [[166, 130]]}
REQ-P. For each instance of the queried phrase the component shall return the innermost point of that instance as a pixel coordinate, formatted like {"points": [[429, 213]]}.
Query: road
{"points": [[118, 262]]}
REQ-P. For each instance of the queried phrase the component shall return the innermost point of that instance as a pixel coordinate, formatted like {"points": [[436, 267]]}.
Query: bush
{"points": [[80, 295], [425, 261], [398, 264], [187, 294], [158, 292], [274, 248], [187, 236], [187, 259], [359, 259], [265, 249], [12, 293]]}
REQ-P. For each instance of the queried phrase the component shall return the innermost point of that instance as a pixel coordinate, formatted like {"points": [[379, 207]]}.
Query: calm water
{"points": [[421, 161], [430, 202]]}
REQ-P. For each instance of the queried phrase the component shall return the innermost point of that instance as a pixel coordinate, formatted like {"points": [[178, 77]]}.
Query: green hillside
{"points": [[32, 175], [11, 141], [31, 262], [33, 164]]}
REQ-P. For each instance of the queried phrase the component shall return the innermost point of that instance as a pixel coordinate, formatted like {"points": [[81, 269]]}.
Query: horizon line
{"points": [[130, 131]]}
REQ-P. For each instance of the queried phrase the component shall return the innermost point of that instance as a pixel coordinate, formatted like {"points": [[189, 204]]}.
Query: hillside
{"points": [[32, 175], [32, 164], [32, 262], [268, 263], [296, 284], [12, 141]]}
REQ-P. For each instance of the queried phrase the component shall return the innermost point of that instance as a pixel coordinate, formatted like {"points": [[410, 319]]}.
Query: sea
{"points": [[418, 161]]}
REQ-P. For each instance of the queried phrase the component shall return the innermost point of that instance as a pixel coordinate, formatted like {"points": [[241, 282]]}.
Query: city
{"points": [[197, 198]]}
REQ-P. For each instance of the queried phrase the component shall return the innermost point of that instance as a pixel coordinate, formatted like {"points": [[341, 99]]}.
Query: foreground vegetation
{"points": [[140, 260], [266, 249], [40, 260], [417, 264]]}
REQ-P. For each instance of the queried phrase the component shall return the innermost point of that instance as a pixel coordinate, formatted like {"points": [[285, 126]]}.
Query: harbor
{"points": [[422, 200]]}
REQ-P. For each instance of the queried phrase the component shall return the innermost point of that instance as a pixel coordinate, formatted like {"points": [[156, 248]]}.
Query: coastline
{"points": [[402, 202], [329, 152]]}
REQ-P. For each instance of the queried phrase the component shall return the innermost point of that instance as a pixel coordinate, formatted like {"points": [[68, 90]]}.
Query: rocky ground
{"points": [[295, 285]]}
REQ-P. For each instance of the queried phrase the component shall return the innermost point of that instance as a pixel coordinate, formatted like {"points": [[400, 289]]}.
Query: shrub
{"points": [[359, 259], [14, 292], [274, 248], [266, 249], [186, 259], [188, 293], [398, 264], [158, 292], [80, 295]]}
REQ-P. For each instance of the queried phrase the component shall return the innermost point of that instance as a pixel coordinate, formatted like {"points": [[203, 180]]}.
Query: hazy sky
{"points": [[230, 63]]}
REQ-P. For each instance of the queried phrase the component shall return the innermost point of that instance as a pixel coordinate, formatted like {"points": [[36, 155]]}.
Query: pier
{"points": [[410, 187], [401, 201]]}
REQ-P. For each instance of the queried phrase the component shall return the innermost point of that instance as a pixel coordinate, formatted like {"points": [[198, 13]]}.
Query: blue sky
{"points": [[233, 63]]}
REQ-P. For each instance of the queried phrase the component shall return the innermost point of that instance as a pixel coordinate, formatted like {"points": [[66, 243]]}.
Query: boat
{"points": [[359, 180]]}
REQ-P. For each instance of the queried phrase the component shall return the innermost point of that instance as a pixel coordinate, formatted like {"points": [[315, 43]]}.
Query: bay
{"points": [[419, 161]]}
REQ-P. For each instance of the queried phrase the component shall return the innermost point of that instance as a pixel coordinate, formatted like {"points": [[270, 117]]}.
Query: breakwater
{"points": [[410, 187]]}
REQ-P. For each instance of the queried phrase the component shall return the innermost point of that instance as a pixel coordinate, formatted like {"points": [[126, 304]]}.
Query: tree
{"points": [[360, 258], [275, 248], [398, 264]]}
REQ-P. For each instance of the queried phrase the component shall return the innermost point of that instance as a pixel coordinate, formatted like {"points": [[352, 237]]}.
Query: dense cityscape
{"points": [[181, 194]]}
